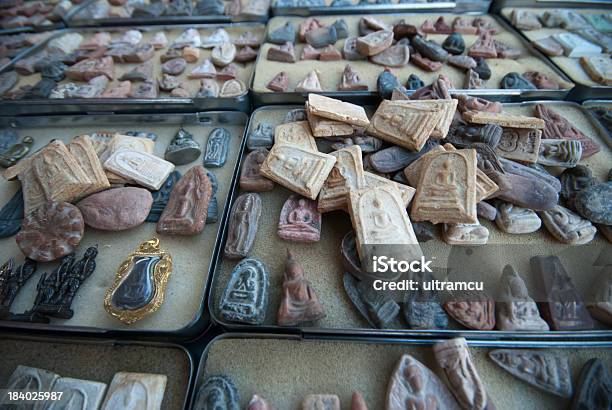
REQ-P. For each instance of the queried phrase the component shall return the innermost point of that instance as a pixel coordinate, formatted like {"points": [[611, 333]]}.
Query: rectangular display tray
{"points": [[331, 72], [585, 88], [183, 314], [98, 360], [160, 104], [284, 369], [323, 267], [72, 19]]}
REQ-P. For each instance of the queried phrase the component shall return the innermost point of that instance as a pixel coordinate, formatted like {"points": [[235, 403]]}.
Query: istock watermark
{"points": [[383, 264]]}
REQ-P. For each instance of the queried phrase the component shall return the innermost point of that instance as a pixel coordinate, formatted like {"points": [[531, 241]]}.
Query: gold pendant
{"points": [[140, 283]]}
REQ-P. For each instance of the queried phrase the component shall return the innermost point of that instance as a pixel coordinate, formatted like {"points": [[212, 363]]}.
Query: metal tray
{"points": [[369, 97], [584, 92], [285, 368], [343, 318], [123, 105], [72, 20], [443, 6], [186, 319], [73, 358], [26, 29], [497, 5], [15, 30], [581, 91]]}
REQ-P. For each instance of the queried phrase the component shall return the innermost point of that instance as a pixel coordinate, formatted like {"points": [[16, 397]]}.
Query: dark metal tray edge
{"points": [[497, 5], [305, 11]]}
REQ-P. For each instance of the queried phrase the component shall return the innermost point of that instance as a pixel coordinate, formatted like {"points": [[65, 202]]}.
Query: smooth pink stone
{"points": [[116, 209], [300, 221]]}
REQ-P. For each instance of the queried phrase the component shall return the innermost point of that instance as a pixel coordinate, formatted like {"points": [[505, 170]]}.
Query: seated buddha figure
{"points": [[299, 302], [515, 309], [300, 221]]}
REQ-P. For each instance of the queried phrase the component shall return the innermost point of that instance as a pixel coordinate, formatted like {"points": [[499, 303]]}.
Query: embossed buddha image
{"points": [[446, 187], [215, 146], [238, 236], [190, 195], [301, 218], [336, 178], [130, 395], [27, 382], [418, 397], [383, 229], [243, 291], [532, 365], [445, 180]]}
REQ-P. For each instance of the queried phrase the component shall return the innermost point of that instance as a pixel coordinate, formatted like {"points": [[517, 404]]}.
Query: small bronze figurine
{"points": [[57, 289]]}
